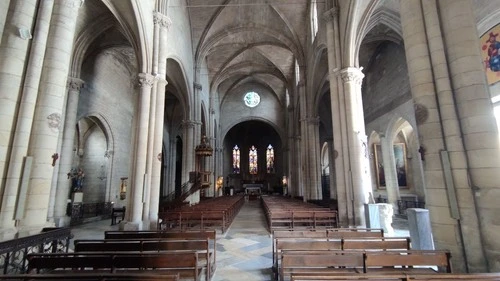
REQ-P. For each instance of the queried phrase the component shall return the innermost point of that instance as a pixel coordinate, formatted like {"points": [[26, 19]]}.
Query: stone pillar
{"points": [[304, 149], [296, 186], [479, 133], [188, 152], [134, 212], [50, 105], [419, 224], [66, 158], [339, 149], [391, 178], [438, 123], [25, 115], [332, 176], [4, 9], [313, 159], [13, 56], [352, 78], [172, 148]]}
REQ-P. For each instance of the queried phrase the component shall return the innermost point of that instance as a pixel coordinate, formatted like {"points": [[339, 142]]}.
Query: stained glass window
{"points": [[251, 99], [270, 159], [236, 159], [252, 160]]}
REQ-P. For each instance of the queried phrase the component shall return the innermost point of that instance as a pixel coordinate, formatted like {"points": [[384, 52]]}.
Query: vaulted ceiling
{"points": [[245, 41]]}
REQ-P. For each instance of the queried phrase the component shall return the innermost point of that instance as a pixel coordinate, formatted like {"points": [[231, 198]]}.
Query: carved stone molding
{"points": [[352, 75], [75, 84], [54, 121], [330, 14], [145, 80], [421, 113], [161, 19], [189, 124]]}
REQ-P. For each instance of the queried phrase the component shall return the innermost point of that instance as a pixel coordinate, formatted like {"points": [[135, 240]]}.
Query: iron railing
{"points": [[80, 212], [13, 252]]}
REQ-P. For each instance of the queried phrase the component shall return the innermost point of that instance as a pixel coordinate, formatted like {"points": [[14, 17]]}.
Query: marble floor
{"points": [[244, 252]]}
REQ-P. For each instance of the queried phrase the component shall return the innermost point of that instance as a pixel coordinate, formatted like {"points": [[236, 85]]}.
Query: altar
{"points": [[253, 188]]}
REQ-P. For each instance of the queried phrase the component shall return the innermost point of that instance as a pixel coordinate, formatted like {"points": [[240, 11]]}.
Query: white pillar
{"points": [[391, 179], [67, 152], [50, 105], [13, 56], [4, 9], [25, 115], [134, 212], [358, 157], [340, 148]]}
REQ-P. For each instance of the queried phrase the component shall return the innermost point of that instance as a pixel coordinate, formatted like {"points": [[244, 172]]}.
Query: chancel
{"points": [[244, 118]]}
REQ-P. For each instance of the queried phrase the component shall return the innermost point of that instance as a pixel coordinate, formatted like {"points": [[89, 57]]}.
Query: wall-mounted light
{"points": [[25, 33]]}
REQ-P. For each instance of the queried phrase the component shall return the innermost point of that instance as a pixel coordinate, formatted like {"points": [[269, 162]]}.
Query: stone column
{"points": [[50, 105], [313, 159], [331, 167], [25, 115], [134, 213], [171, 166], [188, 152], [439, 126], [304, 149], [4, 8], [66, 157], [13, 56], [358, 157], [339, 149], [391, 178], [296, 184], [479, 132]]}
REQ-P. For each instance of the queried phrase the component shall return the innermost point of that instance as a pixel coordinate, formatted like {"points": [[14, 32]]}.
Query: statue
{"points": [[76, 179]]}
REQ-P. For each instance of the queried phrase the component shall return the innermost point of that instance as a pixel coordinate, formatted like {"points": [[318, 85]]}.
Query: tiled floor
{"points": [[243, 252]]}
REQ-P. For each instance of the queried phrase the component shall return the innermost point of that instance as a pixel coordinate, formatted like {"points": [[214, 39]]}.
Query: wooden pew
{"points": [[377, 244], [396, 277], [206, 257], [327, 261], [185, 264], [93, 277], [407, 261], [210, 236]]}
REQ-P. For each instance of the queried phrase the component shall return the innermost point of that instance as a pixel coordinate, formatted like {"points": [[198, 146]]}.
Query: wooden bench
{"points": [[408, 261], [206, 257], [117, 213], [185, 264], [377, 244], [324, 261], [210, 236], [143, 276], [396, 277]]}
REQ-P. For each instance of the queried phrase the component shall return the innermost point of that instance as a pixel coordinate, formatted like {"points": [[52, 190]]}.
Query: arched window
{"points": [[252, 160], [270, 159], [314, 19], [236, 159]]}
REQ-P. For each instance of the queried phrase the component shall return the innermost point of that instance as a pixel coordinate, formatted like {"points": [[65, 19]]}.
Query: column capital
{"points": [[331, 14], [161, 81], [75, 84], [197, 86], [189, 124], [352, 74], [162, 20], [145, 80]]}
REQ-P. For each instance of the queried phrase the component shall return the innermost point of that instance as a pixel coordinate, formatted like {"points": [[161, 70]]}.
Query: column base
{"points": [[64, 221]]}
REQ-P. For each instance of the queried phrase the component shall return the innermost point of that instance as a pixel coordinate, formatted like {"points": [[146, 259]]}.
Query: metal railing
{"points": [[83, 211], [13, 252]]}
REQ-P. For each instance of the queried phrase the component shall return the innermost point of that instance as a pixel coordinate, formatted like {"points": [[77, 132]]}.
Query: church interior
{"points": [[384, 113]]}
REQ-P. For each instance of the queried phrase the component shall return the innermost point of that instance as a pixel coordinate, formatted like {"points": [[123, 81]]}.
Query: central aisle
{"points": [[245, 251]]}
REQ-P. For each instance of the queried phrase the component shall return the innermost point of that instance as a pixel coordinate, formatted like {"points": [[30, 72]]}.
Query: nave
{"points": [[244, 252]]}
